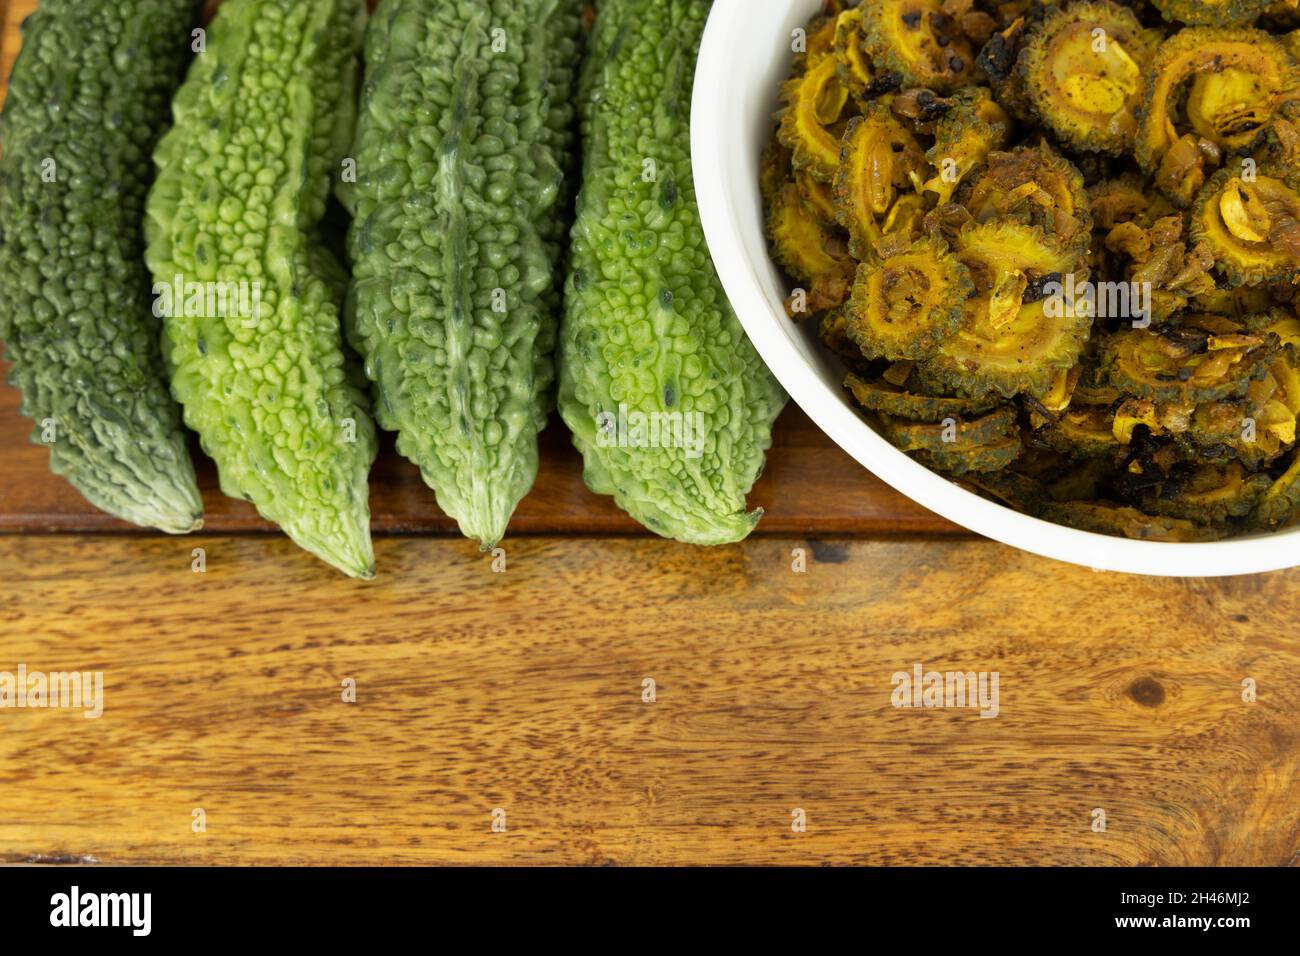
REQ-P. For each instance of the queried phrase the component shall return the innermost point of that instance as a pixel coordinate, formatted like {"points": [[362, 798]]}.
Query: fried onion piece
{"points": [[919, 42], [909, 304], [1250, 219], [1161, 262], [1083, 67]]}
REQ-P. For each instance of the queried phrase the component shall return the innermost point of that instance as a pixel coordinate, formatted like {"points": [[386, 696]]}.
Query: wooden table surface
{"points": [[522, 693]]}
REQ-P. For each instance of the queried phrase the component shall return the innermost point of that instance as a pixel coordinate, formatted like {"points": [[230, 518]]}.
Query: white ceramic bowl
{"points": [[745, 54]]}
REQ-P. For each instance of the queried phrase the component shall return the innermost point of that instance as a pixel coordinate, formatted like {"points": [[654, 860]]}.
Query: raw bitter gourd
{"points": [[667, 399], [464, 138], [262, 125], [87, 99]]}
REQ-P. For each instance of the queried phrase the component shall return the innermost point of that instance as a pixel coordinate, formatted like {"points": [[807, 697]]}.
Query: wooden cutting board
{"points": [[810, 486]]}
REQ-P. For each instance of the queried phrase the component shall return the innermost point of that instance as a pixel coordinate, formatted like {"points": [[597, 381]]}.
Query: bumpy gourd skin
{"points": [[87, 100], [647, 325], [462, 145], [262, 124]]}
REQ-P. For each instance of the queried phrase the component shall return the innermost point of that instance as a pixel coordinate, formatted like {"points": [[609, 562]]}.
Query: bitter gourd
{"points": [[463, 141], [648, 330], [87, 100], [262, 123]]}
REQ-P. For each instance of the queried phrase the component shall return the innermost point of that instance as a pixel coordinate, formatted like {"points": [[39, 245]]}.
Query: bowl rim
{"points": [[713, 123]]}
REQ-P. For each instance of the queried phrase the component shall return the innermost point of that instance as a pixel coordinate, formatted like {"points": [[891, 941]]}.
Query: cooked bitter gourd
{"points": [[907, 305], [1084, 69], [87, 100], [879, 158], [1014, 336], [813, 103], [1212, 12], [1144, 360], [648, 330], [919, 42], [1240, 80], [262, 124], [461, 149], [1250, 220]]}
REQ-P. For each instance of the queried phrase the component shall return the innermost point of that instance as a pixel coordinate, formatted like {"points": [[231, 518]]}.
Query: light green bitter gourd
{"points": [[459, 219], [668, 401], [87, 101], [262, 128]]}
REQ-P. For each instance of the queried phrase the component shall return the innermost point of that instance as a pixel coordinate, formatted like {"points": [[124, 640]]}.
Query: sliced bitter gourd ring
{"points": [[1252, 224], [1084, 69], [1184, 366], [918, 41], [1211, 13], [1285, 325], [813, 104], [1011, 340], [973, 126], [907, 305], [1210, 494], [1083, 432], [854, 69], [1034, 185], [808, 250], [994, 456], [879, 156], [959, 446], [967, 432], [817, 196], [775, 170], [1281, 503], [1240, 80], [818, 38], [833, 332], [1124, 522], [887, 399]]}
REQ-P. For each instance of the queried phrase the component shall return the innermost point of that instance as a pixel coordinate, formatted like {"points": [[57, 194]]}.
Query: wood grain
{"points": [[523, 691], [810, 485]]}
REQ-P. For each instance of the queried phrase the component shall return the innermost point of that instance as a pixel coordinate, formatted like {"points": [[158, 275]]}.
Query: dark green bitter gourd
{"points": [[668, 401], [262, 127], [87, 100], [463, 141]]}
